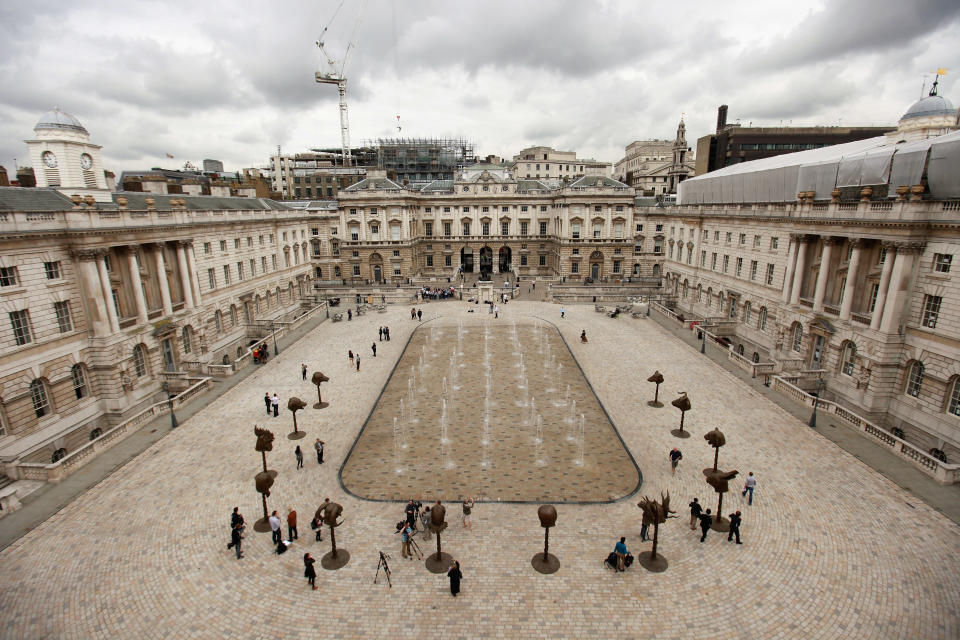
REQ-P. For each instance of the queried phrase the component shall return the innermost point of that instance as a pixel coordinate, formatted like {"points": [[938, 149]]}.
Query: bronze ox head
{"points": [[548, 515], [264, 482], [656, 378]]}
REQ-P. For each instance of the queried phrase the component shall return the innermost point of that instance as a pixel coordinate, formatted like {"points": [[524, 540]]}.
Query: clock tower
{"points": [[65, 159]]}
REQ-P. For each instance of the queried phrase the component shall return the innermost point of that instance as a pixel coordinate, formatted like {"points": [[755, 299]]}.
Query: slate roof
{"points": [[375, 183], [445, 186], [531, 185], [598, 181], [138, 201], [33, 199]]}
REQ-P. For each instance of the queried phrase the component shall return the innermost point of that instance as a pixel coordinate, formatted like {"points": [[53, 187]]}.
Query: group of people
{"points": [[705, 519], [438, 294], [413, 510], [272, 403], [416, 314], [260, 354]]}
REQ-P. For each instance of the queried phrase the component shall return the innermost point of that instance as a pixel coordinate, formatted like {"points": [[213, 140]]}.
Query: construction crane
{"points": [[339, 78]]}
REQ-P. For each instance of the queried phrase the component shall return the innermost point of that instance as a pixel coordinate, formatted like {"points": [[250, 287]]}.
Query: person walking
{"points": [[748, 486], [467, 511], [410, 511], [350, 355], [318, 445], [276, 532], [734, 527], [419, 314], [405, 541], [386, 333], [266, 401], [380, 332], [303, 370], [236, 518], [621, 550], [275, 403], [496, 311], [298, 453], [413, 313], [357, 357], [349, 315], [675, 458], [455, 576], [374, 347], [583, 335], [705, 521], [563, 312], [695, 510], [236, 540], [291, 523], [309, 572]]}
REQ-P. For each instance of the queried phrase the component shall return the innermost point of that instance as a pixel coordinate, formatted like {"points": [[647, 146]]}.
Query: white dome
{"points": [[62, 120], [929, 106]]}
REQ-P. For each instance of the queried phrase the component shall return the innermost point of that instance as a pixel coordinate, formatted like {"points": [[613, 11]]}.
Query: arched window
{"points": [[762, 320], [58, 455], [233, 315], [740, 349], [746, 313], [218, 321], [953, 400], [733, 309], [797, 337], [700, 294], [96, 433], [756, 357], [915, 379], [139, 361], [39, 397], [186, 337], [847, 358], [79, 381]]}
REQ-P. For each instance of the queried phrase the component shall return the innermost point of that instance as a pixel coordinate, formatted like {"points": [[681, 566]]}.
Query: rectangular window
{"points": [[239, 271], [739, 266], [756, 242], [575, 229], [706, 235], [703, 258], [485, 228], [743, 238], [207, 248], [396, 271], [62, 309], [356, 270], [574, 267], [770, 274], [260, 238], [874, 291], [249, 241], [466, 228], [446, 229], [446, 209], [226, 274], [774, 243], [394, 232], [223, 245], [8, 276], [448, 261], [941, 262], [273, 258], [429, 261], [597, 230], [253, 270], [263, 259], [713, 261], [616, 266], [729, 236], [753, 269], [354, 233], [504, 228], [543, 261], [212, 278], [20, 321], [716, 236], [52, 270], [659, 227], [428, 228], [658, 246], [523, 260], [466, 209], [236, 243], [524, 227], [543, 228], [726, 263], [931, 309], [639, 228]]}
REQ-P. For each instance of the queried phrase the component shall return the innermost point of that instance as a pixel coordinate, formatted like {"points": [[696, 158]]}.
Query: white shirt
{"points": [[751, 481], [274, 523], [275, 400]]}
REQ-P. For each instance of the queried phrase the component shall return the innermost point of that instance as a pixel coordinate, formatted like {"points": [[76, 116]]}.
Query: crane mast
{"points": [[339, 78]]}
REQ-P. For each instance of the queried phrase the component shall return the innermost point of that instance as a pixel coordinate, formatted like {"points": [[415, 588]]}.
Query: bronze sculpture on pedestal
{"points": [[439, 562], [718, 479], [335, 558], [657, 379], [655, 513], [682, 403], [546, 562], [318, 379], [264, 479], [295, 404]]}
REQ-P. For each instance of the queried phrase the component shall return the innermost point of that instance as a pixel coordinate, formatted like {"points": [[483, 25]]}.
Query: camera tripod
{"points": [[415, 548], [386, 569]]}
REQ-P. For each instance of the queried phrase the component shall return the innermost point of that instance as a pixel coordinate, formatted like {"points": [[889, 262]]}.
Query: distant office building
{"points": [[733, 144], [547, 163], [311, 176], [213, 166]]}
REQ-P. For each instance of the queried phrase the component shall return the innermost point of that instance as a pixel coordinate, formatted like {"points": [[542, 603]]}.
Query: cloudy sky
{"points": [[232, 80]]}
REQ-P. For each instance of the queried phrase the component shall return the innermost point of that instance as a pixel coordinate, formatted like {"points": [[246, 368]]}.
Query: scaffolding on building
{"points": [[422, 160]]}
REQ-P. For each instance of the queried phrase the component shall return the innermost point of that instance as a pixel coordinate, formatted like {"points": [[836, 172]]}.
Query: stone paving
{"points": [[449, 430], [831, 548]]}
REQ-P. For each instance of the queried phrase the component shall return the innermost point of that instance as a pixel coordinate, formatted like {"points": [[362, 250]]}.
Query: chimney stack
{"points": [[721, 118]]}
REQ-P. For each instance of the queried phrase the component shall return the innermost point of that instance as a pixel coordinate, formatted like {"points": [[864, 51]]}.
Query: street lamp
{"points": [[813, 416], [274, 332], [173, 417], [703, 341]]}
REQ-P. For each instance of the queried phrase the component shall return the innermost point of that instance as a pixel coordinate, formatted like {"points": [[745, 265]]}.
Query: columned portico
{"points": [[107, 292], [846, 304], [823, 274], [192, 272], [898, 291], [162, 279], [93, 291], [133, 267], [186, 281], [798, 271], [791, 266], [880, 304]]}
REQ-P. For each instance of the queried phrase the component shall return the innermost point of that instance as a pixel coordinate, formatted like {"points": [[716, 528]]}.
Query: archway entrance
{"points": [[505, 255], [595, 271], [466, 259], [596, 265], [377, 273], [486, 263]]}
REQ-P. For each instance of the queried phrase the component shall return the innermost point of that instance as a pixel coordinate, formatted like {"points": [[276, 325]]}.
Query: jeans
{"points": [[748, 489], [277, 535], [292, 531]]}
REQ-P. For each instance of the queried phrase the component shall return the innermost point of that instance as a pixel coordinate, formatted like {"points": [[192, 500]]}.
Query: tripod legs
{"points": [[386, 571]]}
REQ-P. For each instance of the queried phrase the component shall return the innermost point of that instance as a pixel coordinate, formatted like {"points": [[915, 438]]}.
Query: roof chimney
{"points": [[721, 118]]}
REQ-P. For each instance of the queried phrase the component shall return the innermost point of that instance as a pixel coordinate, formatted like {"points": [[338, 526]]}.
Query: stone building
{"points": [[108, 295], [837, 263], [482, 223], [548, 164], [655, 167]]}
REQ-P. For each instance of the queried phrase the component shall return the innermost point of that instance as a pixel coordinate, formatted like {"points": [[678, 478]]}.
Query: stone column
{"points": [[791, 266], [134, 271], [898, 293], [194, 274], [825, 255], [798, 271], [162, 279], [107, 292], [846, 304], [878, 306], [92, 291], [186, 281]]}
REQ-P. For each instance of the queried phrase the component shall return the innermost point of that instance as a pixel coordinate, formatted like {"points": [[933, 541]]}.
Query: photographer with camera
{"points": [[405, 536]]}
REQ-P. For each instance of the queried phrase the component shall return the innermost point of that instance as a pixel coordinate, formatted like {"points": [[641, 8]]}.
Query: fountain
{"points": [[486, 430], [443, 421], [397, 454], [579, 460], [571, 436], [541, 462], [444, 388]]}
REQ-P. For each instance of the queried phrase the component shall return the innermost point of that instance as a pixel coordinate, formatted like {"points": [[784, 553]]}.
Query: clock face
{"points": [[49, 159], [86, 161]]}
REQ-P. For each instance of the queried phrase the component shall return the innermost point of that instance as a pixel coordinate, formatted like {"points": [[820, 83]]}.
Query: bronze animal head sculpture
{"points": [[264, 481], [264, 439], [295, 404], [715, 438], [437, 518], [656, 378], [720, 480], [318, 378], [548, 515], [683, 402], [331, 511], [656, 512]]}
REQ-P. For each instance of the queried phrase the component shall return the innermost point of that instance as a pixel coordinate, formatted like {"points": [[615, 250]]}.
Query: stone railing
{"points": [[942, 472], [57, 471], [755, 368]]}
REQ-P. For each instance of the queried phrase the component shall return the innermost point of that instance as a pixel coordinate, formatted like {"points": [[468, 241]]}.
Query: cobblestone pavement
{"points": [[831, 548]]}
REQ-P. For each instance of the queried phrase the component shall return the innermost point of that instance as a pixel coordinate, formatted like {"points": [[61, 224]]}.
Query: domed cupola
{"points": [[928, 117], [64, 158], [60, 121]]}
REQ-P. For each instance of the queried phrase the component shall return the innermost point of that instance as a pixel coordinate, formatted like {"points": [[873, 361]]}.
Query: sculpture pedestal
{"points": [[657, 565], [720, 524], [262, 525], [545, 563], [679, 433], [439, 563], [297, 435], [653, 403], [332, 562], [321, 405]]}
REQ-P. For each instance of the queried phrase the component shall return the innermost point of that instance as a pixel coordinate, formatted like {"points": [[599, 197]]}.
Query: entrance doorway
{"points": [[817, 354], [486, 263], [505, 255], [168, 364], [377, 273], [466, 259]]}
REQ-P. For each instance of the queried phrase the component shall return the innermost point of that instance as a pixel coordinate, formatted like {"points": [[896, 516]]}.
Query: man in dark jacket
{"points": [[705, 521], [695, 510], [734, 527], [236, 540]]}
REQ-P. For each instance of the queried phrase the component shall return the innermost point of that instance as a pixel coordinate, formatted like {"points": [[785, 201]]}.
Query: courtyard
{"points": [[831, 548]]}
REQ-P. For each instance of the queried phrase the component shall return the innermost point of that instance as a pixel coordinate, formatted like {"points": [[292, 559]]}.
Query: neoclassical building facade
{"points": [[108, 295]]}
